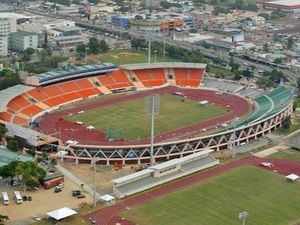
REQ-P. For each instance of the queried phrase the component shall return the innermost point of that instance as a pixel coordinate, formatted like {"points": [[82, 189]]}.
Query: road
{"points": [[210, 53]]}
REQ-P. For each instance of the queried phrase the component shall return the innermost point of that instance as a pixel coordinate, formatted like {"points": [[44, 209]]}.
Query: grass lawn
{"points": [[128, 57], [267, 197], [287, 154], [294, 127], [131, 119]]}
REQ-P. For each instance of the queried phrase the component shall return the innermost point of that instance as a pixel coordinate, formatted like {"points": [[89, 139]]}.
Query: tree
{"points": [[32, 175], [3, 131], [298, 83], [278, 61], [31, 151], [29, 51], [233, 65], [290, 43], [81, 50], [266, 47], [13, 145], [93, 45], [3, 219], [103, 46]]}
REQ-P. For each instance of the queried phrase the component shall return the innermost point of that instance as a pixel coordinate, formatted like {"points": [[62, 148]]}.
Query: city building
{"points": [[145, 25], [172, 24], [122, 21], [22, 40], [67, 36], [285, 5], [7, 26], [3, 45]]}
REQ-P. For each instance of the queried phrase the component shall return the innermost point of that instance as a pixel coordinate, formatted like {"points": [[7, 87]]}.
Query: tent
{"points": [[108, 199], [61, 213], [292, 177]]}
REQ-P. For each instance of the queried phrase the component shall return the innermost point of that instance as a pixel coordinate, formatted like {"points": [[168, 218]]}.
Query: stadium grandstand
{"points": [[162, 173], [23, 105]]}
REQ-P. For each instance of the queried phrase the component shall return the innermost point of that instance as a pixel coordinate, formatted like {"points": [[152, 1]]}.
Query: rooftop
{"points": [[285, 2], [7, 156], [10, 93], [163, 65], [67, 29]]}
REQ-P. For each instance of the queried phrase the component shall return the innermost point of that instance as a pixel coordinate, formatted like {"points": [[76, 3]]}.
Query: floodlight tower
{"points": [[152, 108], [149, 36]]}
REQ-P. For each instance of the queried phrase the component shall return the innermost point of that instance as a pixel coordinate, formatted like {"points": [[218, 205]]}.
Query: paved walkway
{"points": [[270, 151]]}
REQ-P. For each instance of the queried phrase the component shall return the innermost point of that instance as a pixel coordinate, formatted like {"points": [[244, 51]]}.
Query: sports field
{"points": [[130, 119], [267, 197]]}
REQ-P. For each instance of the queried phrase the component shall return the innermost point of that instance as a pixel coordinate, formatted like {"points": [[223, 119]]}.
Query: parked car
{"points": [[36, 218], [57, 189], [76, 193]]}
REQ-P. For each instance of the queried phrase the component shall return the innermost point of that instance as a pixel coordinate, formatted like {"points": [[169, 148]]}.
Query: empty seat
{"points": [[31, 110]]}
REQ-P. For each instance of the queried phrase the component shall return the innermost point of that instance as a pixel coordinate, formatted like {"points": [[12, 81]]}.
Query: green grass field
{"points": [[128, 57], [268, 198], [131, 119]]}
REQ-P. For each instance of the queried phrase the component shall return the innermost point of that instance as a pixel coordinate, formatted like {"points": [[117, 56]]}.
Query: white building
{"points": [[58, 23], [22, 40], [7, 26], [3, 45]]}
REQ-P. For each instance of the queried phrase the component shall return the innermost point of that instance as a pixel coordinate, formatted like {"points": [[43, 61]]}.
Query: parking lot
{"points": [[42, 202]]}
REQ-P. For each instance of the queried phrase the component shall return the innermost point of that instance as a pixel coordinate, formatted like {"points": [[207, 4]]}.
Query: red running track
{"points": [[55, 122], [109, 215]]}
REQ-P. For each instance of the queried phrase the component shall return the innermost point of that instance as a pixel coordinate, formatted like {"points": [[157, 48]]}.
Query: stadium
{"points": [[97, 111]]}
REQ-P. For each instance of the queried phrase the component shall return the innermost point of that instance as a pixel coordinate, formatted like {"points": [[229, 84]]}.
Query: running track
{"points": [[109, 215], [55, 122]]}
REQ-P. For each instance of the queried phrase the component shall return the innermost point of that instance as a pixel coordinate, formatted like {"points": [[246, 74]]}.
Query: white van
{"points": [[5, 198], [18, 197]]}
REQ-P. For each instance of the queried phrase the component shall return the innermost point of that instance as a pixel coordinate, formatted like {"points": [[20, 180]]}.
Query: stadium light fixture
{"points": [[243, 216]]}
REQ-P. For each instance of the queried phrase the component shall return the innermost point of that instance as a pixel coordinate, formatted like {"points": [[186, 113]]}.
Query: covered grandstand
{"points": [[162, 173], [22, 105]]}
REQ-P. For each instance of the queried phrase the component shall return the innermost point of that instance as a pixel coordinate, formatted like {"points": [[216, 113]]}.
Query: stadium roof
{"points": [[8, 94], [139, 66], [78, 71], [7, 156]]}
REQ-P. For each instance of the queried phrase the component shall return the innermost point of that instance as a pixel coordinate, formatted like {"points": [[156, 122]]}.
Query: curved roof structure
{"points": [[139, 66], [12, 92]]}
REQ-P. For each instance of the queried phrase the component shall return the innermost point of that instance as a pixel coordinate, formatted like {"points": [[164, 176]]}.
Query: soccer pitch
{"points": [[130, 117], [268, 197]]}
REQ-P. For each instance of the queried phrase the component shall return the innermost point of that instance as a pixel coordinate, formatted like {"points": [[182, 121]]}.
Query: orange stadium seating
{"points": [[31, 110], [52, 91], [88, 92], [5, 116], [84, 84], [106, 80], [188, 77], [69, 86], [153, 77], [70, 96], [19, 120], [37, 94], [55, 101]]}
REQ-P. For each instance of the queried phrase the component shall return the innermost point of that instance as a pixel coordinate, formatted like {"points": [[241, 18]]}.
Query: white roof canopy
{"points": [[292, 177], [61, 213], [107, 198]]}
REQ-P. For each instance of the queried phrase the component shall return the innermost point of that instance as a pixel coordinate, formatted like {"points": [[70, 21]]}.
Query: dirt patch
{"points": [[42, 201]]}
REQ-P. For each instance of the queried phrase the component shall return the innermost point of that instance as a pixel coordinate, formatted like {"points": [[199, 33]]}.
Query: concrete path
{"points": [[270, 151]]}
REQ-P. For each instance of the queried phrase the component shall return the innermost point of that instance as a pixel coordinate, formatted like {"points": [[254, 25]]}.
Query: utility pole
{"points": [[94, 162], [149, 36], [155, 53], [152, 107]]}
